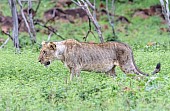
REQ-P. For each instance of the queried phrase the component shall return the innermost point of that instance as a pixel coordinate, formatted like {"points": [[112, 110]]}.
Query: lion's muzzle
{"points": [[45, 63]]}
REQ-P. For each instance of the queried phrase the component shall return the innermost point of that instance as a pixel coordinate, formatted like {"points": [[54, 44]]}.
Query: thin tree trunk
{"points": [[12, 4]]}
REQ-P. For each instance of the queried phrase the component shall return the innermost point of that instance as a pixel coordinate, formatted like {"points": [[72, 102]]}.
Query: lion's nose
{"points": [[48, 63]]}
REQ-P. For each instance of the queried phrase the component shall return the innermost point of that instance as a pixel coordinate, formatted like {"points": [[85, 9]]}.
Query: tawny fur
{"points": [[102, 57]]}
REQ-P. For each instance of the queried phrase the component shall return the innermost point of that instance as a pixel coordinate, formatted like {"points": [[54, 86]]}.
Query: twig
{"points": [[85, 38], [53, 16], [8, 34], [97, 26], [85, 6], [39, 2], [50, 29], [6, 41], [49, 36], [111, 16], [47, 27]]}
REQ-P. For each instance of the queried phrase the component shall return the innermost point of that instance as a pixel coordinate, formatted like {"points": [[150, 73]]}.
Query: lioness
{"points": [[98, 57]]}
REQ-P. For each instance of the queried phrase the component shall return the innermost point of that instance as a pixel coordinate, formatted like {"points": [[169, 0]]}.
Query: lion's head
{"points": [[51, 51], [47, 53]]}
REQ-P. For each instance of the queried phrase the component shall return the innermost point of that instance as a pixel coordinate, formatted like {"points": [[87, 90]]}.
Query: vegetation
{"points": [[25, 84]]}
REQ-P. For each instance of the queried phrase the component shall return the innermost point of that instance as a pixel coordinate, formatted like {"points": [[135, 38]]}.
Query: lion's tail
{"points": [[157, 69]]}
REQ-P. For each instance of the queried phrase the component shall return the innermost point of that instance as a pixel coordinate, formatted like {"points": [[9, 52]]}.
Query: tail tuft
{"points": [[157, 69], [158, 66]]}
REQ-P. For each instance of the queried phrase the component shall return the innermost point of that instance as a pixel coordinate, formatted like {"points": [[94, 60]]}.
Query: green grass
{"points": [[25, 84]]}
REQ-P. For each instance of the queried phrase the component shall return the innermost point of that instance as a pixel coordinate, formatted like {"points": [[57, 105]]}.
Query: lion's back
{"points": [[92, 57]]}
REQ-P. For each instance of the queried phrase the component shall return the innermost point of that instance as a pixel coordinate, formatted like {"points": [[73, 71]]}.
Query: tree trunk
{"points": [[12, 4]]}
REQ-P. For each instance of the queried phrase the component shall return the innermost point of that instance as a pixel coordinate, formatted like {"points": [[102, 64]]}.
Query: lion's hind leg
{"points": [[112, 72], [128, 69]]}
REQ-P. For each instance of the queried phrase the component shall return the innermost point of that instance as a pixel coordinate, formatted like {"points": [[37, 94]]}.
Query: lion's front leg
{"points": [[73, 72]]}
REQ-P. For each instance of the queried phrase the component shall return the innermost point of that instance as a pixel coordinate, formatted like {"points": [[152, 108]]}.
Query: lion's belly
{"points": [[98, 67]]}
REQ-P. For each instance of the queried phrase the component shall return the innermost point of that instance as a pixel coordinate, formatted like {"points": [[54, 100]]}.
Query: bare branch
{"points": [[6, 41], [53, 16], [75, 2], [90, 5], [39, 2], [49, 36], [111, 16], [8, 34], [25, 20], [165, 11], [96, 24], [9, 2], [51, 29], [94, 11], [31, 21], [85, 38], [84, 5]]}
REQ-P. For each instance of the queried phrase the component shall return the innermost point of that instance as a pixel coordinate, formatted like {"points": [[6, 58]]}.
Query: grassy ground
{"points": [[27, 85]]}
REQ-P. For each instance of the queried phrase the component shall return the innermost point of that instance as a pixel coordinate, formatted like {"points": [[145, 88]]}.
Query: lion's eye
{"points": [[44, 52]]}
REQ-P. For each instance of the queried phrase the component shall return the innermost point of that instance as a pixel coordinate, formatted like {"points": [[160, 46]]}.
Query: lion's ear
{"points": [[43, 43], [52, 46]]}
